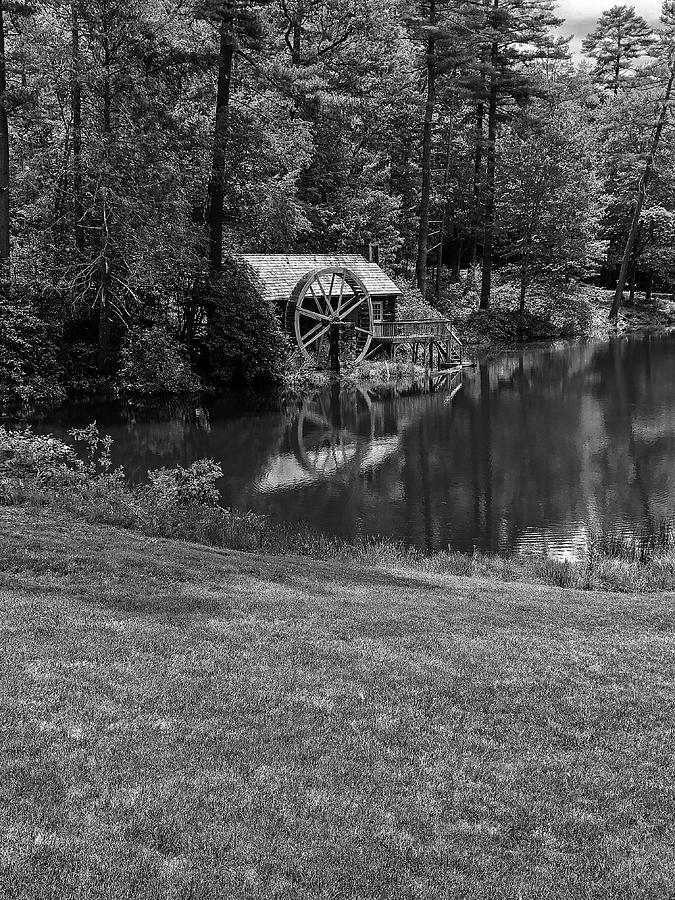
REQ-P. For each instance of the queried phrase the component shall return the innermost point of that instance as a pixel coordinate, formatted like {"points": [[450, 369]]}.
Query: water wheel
{"points": [[326, 300]]}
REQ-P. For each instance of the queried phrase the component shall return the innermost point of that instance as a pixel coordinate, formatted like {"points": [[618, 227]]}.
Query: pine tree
{"points": [[238, 25], [443, 29], [665, 67], [516, 33], [619, 40]]}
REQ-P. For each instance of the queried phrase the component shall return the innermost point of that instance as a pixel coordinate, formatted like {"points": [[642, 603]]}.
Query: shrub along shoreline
{"points": [[43, 473]]}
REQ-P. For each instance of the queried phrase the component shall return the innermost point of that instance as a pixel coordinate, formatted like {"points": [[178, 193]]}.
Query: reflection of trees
{"points": [[636, 459], [516, 444], [534, 440]]}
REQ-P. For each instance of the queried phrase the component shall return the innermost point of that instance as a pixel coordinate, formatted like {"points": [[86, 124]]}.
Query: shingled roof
{"points": [[279, 273]]}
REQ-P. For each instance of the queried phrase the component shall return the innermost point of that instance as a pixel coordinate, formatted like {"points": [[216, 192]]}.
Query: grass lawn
{"points": [[182, 722]]}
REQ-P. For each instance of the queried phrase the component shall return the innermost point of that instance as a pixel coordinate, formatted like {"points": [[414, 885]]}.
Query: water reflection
{"points": [[536, 449]]}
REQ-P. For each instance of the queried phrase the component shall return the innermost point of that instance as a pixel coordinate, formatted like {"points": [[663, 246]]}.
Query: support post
{"points": [[335, 348]]}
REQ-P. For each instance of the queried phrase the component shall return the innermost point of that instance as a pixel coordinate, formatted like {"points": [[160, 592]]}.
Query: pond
{"points": [[529, 450]]}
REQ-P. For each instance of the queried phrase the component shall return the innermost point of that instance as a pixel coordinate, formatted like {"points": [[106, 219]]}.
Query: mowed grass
{"points": [[183, 722]]}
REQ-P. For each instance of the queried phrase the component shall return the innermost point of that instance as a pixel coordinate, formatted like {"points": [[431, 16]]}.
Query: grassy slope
{"points": [[182, 722]]}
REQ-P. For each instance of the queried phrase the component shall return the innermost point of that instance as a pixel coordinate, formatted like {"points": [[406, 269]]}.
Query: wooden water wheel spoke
{"points": [[317, 300], [326, 301], [314, 330], [364, 330], [315, 337], [348, 310], [342, 290], [320, 317], [329, 294]]}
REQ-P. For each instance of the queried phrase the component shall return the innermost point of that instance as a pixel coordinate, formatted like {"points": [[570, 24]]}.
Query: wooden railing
{"points": [[417, 330]]}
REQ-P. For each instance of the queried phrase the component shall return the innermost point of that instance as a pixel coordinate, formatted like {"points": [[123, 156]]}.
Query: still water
{"points": [[529, 450]]}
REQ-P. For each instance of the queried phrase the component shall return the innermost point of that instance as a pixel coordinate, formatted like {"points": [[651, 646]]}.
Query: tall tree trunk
{"points": [[76, 104], [489, 216], [444, 215], [423, 235], [643, 187], [103, 352], [457, 262], [4, 167], [217, 184], [296, 48], [477, 171], [631, 283]]}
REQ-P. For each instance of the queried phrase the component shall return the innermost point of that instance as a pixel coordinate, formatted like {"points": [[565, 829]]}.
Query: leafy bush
{"points": [[412, 305], [30, 371], [44, 470], [245, 342], [508, 325], [153, 362], [183, 487], [27, 457]]}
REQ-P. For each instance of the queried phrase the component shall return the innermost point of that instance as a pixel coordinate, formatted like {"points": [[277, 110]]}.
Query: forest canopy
{"points": [[143, 145]]}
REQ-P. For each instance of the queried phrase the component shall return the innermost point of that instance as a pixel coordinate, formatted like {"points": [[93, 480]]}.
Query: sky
{"points": [[581, 15]]}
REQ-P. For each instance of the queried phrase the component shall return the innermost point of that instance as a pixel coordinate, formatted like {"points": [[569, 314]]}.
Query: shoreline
{"points": [[656, 319]]}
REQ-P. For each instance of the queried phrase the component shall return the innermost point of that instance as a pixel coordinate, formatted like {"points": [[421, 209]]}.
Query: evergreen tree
{"points": [[238, 25], [618, 41], [515, 35], [665, 73]]}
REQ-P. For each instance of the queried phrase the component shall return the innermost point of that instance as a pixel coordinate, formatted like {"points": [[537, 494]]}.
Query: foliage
{"points": [[180, 486], [245, 341], [112, 140], [44, 470], [31, 369], [620, 38], [153, 362], [548, 213], [40, 459], [411, 304]]}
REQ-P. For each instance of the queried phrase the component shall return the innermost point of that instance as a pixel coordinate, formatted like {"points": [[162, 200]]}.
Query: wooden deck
{"points": [[407, 330], [432, 341]]}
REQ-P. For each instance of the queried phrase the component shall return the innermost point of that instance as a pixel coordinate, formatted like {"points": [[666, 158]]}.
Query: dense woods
{"points": [[143, 144]]}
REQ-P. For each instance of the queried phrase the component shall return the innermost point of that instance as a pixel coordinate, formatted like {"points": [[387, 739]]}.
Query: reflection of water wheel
{"points": [[333, 431], [334, 296]]}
